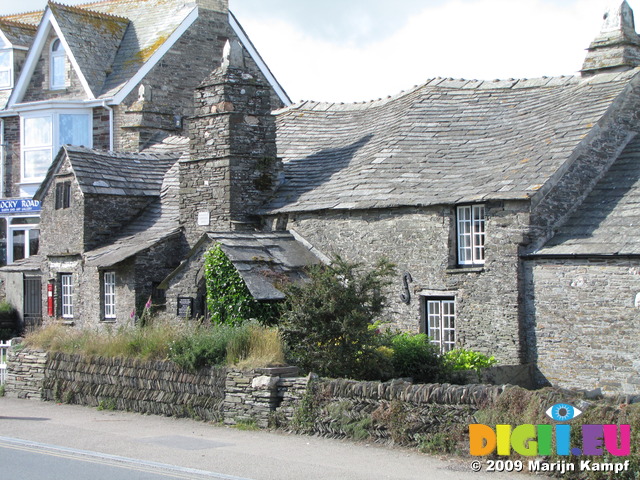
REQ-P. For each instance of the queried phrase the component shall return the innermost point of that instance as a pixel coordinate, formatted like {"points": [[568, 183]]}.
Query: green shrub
{"points": [[416, 357], [326, 322], [228, 298], [463, 359], [206, 346]]}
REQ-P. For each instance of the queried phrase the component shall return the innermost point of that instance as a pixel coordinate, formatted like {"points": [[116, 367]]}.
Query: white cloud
{"points": [[483, 39]]}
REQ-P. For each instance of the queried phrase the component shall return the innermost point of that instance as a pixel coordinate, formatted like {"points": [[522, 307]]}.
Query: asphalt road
{"points": [[45, 440]]}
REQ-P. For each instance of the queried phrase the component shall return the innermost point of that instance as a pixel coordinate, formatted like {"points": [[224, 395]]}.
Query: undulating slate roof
{"points": [[447, 141], [113, 173], [608, 221], [158, 222]]}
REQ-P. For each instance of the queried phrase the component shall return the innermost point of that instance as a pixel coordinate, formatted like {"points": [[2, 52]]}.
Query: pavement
{"points": [[189, 444]]}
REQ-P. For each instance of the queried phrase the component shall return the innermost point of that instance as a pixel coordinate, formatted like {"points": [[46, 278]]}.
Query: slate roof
{"points": [[113, 173], [111, 40], [263, 259], [158, 222], [608, 221], [19, 34], [93, 38], [445, 142]]}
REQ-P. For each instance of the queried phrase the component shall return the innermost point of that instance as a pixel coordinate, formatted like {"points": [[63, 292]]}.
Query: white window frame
{"points": [[27, 228], [109, 295], [8, 69], [66, 295], [55, 56], [471, 234], [440, 322], [53, 147]]}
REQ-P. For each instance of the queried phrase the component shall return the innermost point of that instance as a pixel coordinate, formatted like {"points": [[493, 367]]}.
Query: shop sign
{"points": [[19, 205]]}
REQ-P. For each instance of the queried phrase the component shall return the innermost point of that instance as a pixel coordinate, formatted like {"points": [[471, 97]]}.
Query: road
{"points": [[45, 440]]}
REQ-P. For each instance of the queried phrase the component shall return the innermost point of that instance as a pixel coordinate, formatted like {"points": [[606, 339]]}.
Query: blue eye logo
{"points": [[563, 412]]}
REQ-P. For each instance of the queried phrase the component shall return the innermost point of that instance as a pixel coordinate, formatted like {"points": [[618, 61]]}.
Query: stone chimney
{"points": [[215, 5], [617, 48], [233, 167]]}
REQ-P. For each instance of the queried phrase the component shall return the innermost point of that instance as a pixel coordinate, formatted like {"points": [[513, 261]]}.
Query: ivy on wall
{"points": [[228, 298]]}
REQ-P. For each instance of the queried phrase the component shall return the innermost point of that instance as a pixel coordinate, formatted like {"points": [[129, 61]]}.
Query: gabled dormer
{"points": [[15, 40]]}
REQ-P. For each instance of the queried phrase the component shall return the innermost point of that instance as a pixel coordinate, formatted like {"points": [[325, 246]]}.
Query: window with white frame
{"points": [[6, 67], [58, 65], [440, 322], [66, 295], [471, 220], [44, 132], [109, 288]]}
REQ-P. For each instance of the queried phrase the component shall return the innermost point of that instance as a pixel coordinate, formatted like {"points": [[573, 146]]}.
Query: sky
{"points": [[358, 50]]}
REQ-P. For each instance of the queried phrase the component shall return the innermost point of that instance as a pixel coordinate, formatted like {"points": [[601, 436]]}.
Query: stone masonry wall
{"points": [[586, 318], [422, 242], [25, 373], [265, 397]]}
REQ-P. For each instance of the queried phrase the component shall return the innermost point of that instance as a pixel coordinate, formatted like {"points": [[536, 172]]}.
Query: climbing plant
{"points": [[228, 298]]}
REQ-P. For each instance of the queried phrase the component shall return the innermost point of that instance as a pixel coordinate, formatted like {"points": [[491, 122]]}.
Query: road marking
{"points": [[113, 460]]}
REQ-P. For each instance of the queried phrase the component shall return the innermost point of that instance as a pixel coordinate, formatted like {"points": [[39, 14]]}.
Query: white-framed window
{"points": [[66, 295], [23, 238], [6, 67], [471, 221], [109, 288], [58, 61], [440, 322], [44, 132]]}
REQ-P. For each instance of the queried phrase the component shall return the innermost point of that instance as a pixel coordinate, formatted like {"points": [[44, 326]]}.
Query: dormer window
{"points": [[6, 68], [58, 65]]}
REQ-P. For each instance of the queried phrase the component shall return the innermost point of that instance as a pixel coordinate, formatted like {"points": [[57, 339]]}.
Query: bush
{"points": [[416, 357], [326, 321], [463, 359], [228, 298]]}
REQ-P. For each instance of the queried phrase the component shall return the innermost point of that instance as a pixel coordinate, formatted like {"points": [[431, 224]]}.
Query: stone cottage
{"points": [[109, 76], [507, 205]]}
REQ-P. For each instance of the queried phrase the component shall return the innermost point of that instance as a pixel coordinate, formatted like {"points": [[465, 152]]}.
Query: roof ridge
{"points": [[15, 23], [121, 154], [462, 84], [86, 11]]}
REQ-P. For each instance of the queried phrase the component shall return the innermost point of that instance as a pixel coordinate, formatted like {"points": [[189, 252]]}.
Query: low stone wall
{"points": [[391, 412], [160, 388], [396, 411], [25, 373]]}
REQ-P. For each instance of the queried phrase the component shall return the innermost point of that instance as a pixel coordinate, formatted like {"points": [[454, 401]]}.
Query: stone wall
{"points": [[273, 397], [584, 315], [422, 242], [25, 373]]}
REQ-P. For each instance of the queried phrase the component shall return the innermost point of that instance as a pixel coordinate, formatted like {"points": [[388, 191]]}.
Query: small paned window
{"points": [[109, 288], [63, 195], [58, 65], [471, 222], [66, 295], [440, 322]]}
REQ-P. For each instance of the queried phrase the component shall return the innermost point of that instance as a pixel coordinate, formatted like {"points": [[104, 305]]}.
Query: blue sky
{"points": [[355, 50]]}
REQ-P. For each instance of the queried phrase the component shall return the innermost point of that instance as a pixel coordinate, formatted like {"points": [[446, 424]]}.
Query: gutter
{"points": [[580, 256]]}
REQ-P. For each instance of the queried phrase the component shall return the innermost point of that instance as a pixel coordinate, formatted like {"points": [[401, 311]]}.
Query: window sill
{"points": [[465, 269], [108, 320]]}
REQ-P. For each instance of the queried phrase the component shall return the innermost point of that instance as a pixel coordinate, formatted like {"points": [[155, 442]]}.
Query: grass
{"points": [[190, 345]]}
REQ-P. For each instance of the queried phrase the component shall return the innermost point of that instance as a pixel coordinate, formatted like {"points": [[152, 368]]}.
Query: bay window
{"points": [[44, 132]]}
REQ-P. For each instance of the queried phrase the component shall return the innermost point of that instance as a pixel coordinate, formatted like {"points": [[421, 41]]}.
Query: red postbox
{"points": [[50, 303]]}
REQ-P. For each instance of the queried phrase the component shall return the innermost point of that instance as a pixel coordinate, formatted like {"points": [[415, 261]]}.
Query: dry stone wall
{"points": [[395, 411]]}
